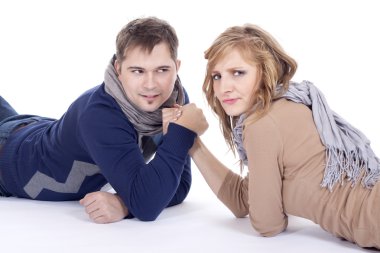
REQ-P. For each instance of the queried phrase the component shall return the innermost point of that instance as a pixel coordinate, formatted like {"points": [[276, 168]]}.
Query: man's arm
{"points": [[184, 185], [146, 189]]}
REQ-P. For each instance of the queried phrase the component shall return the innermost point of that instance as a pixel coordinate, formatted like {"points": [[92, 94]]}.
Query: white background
{"points": [[52, 51]]}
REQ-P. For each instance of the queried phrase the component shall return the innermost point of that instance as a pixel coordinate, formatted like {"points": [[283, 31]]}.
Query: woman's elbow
{"points": [[269, 230], [240, 213]]}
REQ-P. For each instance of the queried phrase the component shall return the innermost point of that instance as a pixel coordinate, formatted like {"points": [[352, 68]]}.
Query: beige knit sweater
{"points": [[286, 166]]}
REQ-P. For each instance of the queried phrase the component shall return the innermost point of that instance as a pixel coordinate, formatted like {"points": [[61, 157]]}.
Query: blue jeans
{"points": [[6, 111], [9, 121]]}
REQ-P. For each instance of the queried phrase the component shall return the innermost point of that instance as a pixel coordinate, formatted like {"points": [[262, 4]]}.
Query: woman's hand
{"points": [[192, 118], [104, 207]]}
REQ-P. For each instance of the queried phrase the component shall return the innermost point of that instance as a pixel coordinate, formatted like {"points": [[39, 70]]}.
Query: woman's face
{"points": [[234, 80]]}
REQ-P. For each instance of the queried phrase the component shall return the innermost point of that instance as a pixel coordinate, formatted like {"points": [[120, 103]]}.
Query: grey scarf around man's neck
{"points": [[145, 123], [348, 151]]}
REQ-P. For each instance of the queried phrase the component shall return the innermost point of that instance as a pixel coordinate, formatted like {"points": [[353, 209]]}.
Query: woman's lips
{"points": [[230, 101]]}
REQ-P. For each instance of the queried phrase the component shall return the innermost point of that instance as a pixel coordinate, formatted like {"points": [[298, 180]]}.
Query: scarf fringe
{"points": [[348, 152], [342, 165]]}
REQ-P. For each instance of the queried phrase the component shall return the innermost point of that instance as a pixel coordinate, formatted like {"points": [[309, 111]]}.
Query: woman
{"points": [[275, 125]]}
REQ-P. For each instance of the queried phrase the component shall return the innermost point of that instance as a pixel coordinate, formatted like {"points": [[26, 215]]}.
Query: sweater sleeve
{"points": [[145, 188], [186, 177], [234, 194], [184, 185], [263, 145]]}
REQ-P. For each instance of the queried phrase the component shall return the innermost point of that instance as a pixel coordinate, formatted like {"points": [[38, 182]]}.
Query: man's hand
{"points": [[104, 207], [170, 115]]}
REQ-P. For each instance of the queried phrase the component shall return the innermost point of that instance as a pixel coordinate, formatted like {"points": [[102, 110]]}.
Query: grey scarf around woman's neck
{"points": [[348, 151], [145, 123]]}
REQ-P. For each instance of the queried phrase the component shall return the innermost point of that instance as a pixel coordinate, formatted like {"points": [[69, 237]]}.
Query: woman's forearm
{"points": [[213, 171]]}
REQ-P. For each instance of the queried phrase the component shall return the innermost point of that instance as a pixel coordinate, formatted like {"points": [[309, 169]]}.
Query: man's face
{"points": [[148, 78]]}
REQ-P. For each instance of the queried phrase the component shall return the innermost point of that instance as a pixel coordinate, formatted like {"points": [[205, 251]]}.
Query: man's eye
{"points": [[137, 71], [162, 70]]}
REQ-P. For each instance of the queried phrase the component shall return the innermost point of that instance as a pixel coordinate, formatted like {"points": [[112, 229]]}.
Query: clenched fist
{"points": [[192, 118], [104, 207]]}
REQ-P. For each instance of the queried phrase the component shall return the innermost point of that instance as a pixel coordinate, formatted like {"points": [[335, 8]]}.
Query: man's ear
{"points": [[117, 67], [178, 64]]}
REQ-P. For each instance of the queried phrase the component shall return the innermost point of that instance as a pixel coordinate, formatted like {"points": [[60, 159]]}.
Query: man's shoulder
{"points": [[99, 112], [95, 97]]}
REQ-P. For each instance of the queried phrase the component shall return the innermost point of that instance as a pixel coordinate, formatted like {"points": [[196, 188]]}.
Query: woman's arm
{"points": [[213, 171], [264, 145], [211, 168], [228, 186]]}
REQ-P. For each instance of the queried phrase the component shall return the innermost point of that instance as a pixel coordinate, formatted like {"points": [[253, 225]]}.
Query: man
{"points": [[109, 135]]}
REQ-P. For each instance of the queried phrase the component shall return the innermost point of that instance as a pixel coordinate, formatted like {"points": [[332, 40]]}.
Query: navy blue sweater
{"points": [[94, 143]]}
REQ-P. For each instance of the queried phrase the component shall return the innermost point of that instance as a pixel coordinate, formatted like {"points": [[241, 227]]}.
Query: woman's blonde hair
{"points": [[258, 47]]}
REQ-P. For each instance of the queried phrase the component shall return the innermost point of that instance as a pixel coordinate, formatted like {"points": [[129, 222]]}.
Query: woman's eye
{"points": [[216, 77], [239, 73]]}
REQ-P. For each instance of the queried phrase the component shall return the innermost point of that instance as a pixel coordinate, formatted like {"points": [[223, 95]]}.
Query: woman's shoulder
{"points": [[282, 113], [288, 111], [284, 105]]}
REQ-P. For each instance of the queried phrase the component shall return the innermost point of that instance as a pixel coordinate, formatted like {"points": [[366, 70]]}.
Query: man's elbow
{"points": [[180, 196], [147, 216], [146, 212]]}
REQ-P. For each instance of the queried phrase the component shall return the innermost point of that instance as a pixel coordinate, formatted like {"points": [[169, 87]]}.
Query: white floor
{"points": [[200, 224]]}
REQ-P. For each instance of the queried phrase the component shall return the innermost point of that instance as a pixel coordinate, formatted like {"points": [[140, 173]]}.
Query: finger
{"points": [[91, 206], [87, 200], [171, 115], [176, 106], [82, 201], [167, 111], [101, 220], [177, 114], [167, 116], [96, 214]]}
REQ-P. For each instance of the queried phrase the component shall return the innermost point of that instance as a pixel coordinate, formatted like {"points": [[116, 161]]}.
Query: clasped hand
{"points": [[188, 116]]}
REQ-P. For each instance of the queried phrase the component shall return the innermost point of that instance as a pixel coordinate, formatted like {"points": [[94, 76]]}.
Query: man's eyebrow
{"points": [[141, 68], [135, 67]]}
